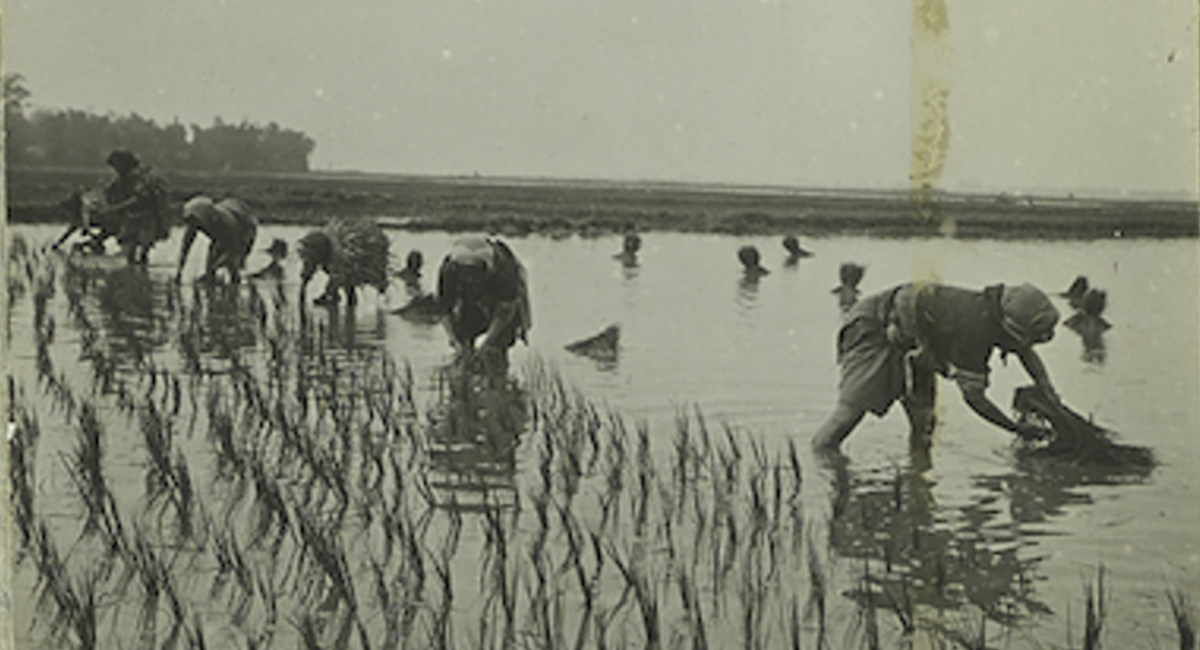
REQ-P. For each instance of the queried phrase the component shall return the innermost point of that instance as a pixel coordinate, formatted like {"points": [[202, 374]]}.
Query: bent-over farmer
{"points": [[482, 291], [230, 228], [892, 344]]}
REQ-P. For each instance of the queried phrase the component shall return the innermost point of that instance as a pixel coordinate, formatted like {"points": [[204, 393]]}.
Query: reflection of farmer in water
{"points": [[474, 439], [893, 524], [482, 292], [230, 228], [138, 197], [892, 344]]}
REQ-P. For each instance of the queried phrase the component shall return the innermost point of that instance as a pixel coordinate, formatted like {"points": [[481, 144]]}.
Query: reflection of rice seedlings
{"points": [[964, 635], [1185, 618], [816, 591], [902, 606], [867, 619]]}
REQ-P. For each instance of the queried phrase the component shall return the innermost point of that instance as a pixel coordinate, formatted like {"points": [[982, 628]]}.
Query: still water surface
{"points": [[759, 356]]}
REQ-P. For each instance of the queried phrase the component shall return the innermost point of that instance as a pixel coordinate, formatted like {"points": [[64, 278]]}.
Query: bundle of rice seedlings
{"points": [[1076, 438], [352, 252]]}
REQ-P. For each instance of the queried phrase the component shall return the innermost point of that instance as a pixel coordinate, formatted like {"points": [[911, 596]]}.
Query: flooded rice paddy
{"points": [[216, 467]]}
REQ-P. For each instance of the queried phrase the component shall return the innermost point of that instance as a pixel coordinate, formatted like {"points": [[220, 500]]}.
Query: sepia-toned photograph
{"points": [[490, 324]]}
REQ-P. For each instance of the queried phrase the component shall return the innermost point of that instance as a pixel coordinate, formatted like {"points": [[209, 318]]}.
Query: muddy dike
{"points": [[517, 207]]}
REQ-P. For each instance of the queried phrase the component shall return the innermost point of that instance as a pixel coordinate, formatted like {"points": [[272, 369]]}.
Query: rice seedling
{"points": [[595, 534], [269, 511], [643, 589], [816, 604], [1095, 612], [963, 634], [1184, 615], [86, 469], [22, 447], [867, 620]]}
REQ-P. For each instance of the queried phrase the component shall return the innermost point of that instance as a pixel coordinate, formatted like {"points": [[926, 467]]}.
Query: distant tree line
{"points": [[76, 138]]}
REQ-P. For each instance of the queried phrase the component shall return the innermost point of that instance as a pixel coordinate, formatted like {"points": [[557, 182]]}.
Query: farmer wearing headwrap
{"points": [[351, 252], [138, 198], [891, 345], [482, 292], [230, 228]]}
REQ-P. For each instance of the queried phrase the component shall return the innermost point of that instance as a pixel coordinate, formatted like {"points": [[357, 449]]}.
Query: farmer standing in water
{"points": [[891, 345], [482, 292], [138, 198]]}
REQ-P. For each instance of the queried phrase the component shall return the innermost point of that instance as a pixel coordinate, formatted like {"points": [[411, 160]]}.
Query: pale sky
{"points": [[1044, 95]]}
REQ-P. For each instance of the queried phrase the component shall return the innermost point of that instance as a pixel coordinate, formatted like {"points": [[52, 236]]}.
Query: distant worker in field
{"points": [[482, 291], [795, 252], [1090, 325], [751, 263], [850, 274], [230, 228], [278, 251], [629, 250], [411, 273], [137, 199], [1076, 292], [352, 253], [892, 345]]}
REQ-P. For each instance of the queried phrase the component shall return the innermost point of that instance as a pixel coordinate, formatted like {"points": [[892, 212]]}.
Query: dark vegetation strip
{"points": [[515, 207]]}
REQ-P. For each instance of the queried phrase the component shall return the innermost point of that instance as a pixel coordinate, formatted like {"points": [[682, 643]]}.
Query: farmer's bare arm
{"points": [[979, 402], [505, 312], [189, 237], [1037, 371]]}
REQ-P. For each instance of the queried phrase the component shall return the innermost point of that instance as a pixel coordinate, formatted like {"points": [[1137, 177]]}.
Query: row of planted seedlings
{"points": [[293, 496], [273, 483], [310, 518]]}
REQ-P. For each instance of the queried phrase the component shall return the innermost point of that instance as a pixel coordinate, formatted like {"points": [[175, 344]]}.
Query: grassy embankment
{"points": [[516, 207]]}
